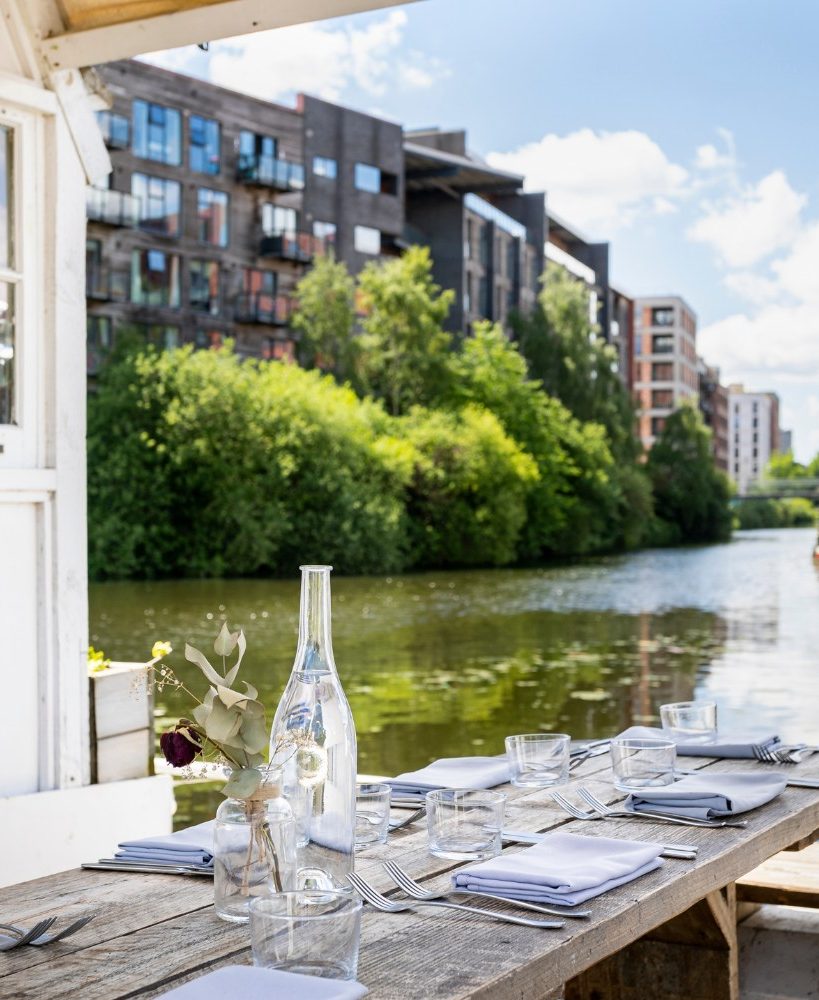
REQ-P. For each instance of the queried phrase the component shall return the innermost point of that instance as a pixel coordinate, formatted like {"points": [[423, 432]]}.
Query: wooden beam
{"points": [[189, 27]]}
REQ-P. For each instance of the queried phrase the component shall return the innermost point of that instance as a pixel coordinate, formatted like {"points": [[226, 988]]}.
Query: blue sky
{"points": [[683, 133]]}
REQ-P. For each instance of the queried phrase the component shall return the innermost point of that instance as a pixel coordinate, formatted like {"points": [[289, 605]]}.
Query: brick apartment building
{"points": [[218, 203]]}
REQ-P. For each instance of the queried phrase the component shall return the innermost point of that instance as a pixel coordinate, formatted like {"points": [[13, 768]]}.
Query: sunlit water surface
{"points": [[448, 663]]}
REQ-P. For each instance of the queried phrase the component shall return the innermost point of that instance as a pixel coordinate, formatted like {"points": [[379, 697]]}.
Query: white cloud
{"points": [[752, 225], [755, 288], [319, 58], [709, 158], [598, 180], [798, 272]]}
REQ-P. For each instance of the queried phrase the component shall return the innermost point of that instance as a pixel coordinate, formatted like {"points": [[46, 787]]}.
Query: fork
{"points": [[417, 891], [374, 898], [7, 942], [43, 938], [606, 811], [408, 819]]}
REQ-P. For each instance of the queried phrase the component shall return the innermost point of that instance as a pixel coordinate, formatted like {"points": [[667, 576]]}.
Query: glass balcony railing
{"points": [[114, 208], [104, 285], [284, 175], [300, 247], [269, 310]]}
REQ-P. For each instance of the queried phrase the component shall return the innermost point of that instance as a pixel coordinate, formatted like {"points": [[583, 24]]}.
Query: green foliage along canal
{"points": [[447, 663]]}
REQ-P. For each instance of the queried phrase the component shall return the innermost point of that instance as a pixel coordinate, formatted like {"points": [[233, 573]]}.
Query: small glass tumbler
{"points": [[642, 763], [372, 814], [538, 760], [690, 721], [315, 933], [465, 824]]}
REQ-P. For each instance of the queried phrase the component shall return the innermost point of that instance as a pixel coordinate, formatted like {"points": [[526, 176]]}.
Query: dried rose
{"points": [[179, 747]]}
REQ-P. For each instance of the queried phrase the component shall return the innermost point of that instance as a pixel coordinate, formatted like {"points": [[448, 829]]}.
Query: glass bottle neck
{"points": [[315, 649]]}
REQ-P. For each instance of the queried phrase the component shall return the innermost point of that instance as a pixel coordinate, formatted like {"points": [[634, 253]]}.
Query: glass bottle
{"points": [[313, 741], [254, 849]]}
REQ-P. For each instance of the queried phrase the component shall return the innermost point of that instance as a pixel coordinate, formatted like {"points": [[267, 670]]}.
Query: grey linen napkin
{"points": [[247, 982], [564, 869], [451, 772], [193, 846], [708, 796], [728, 746]]}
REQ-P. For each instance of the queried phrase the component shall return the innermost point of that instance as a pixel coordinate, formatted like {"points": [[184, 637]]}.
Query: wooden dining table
{"points": [[670, 933]]}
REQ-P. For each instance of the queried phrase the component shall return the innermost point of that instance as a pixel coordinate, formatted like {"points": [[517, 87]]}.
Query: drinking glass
{"points": [[372, 814], [642, 763], [538, 760], [315, 933], [690, 721], [465, 824]]}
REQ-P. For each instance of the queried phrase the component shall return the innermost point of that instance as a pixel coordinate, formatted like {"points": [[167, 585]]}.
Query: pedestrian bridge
{"points": [[781, 489]]}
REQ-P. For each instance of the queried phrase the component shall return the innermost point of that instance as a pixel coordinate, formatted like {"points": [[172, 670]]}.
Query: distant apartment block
{"points": [[754, 434], [714, 409], [785, 441], [665, 361], [219, 202]]}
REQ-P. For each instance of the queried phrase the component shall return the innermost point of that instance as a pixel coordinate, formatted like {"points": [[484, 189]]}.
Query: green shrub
{"points": [[794, 512]]}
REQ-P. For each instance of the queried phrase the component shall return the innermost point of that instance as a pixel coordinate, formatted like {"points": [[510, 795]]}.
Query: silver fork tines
{"points": [[417, 891], [43, 938], [607, 812], [9, 942], [375, 899]]}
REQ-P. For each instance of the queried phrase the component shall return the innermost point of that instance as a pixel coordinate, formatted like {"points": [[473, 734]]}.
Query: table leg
{"points": [[692, 957]]}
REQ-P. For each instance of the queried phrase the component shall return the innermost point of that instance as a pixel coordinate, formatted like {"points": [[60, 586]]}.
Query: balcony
{"points": [[114, 208], [267, 310], [299, 247], [266, 171], [104, 285]]}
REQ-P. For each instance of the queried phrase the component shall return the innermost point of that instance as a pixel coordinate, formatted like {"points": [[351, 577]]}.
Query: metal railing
{"points": [[300, 247], [268, 310], [114, 208], [105, 285], [284, 175]]}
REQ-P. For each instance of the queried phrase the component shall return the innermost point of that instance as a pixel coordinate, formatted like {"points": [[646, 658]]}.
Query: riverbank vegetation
{"points": [[793, 512], [391, 446]]}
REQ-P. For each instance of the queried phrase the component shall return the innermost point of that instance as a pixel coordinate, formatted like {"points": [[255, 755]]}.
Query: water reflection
{"points": [[444, 663]]}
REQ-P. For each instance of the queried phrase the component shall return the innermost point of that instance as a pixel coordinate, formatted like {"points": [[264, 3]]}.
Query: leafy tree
{"points": [[325, 318], [574, 364], [404, 348], [793, 512], [784, 466], [691, 494]]}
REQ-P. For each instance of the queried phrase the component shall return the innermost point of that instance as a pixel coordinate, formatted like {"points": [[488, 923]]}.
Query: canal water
{"points": [[448, 663]]}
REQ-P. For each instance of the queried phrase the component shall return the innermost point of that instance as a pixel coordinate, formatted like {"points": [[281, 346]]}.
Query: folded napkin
{"points": [[564, 869], [247, 982], [706, 796], [735, 746], [193, 846], [452, 772]]}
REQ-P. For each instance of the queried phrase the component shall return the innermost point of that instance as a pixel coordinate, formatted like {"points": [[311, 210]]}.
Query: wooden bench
{"points": [[787, 879]]}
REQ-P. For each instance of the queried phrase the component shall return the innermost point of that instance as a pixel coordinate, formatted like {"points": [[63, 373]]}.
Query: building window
{"points": [[204, 150], [657, 426], [367, 240], [325, 166], [279, 221], [662, 398], [374, 180], [203, 294], [99, 341], [208, 339], [166, 338], [279, 350], [8, 285], [212, 217], [325, 231], [154, 278], [662, 343], [253, 148], [258, 282], [662, 316], [484, 308], [116, 129], [662, 371], [157, 133], [158, 203]]}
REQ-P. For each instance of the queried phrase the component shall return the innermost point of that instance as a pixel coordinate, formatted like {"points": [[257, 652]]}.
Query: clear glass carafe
{"points": [[313, 741], [254, 852]]}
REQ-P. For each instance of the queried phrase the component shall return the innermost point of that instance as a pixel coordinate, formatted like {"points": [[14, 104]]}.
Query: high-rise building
{"points": [[754, 434], [665, 360], [218, 203], [785, 441], [714, 409]]}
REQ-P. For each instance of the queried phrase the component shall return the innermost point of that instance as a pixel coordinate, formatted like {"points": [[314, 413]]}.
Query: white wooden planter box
{"points": [[122, 723]]}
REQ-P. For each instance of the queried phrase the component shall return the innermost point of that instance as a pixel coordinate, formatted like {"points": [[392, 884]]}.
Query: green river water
{"points": [[448, 663]]}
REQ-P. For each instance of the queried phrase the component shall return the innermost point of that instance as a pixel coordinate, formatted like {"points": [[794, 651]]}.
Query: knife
{"points": [[803, 782], [688, 852], [151, 869]]}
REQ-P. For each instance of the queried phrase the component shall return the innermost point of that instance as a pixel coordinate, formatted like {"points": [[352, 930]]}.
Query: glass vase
{"points": [[254, 850], [313, 740]]}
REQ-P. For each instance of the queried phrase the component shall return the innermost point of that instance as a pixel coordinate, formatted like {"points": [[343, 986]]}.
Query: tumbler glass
{"points": [[465, 824], [372, 814], [690, 721], [642, 763], [538, 760], [315, 933]]}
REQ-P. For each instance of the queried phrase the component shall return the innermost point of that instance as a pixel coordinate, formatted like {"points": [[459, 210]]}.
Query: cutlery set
{"points": [[38, 934]]}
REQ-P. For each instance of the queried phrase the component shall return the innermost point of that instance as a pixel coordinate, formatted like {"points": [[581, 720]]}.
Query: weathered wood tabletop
{"points": [[668, 934]]}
